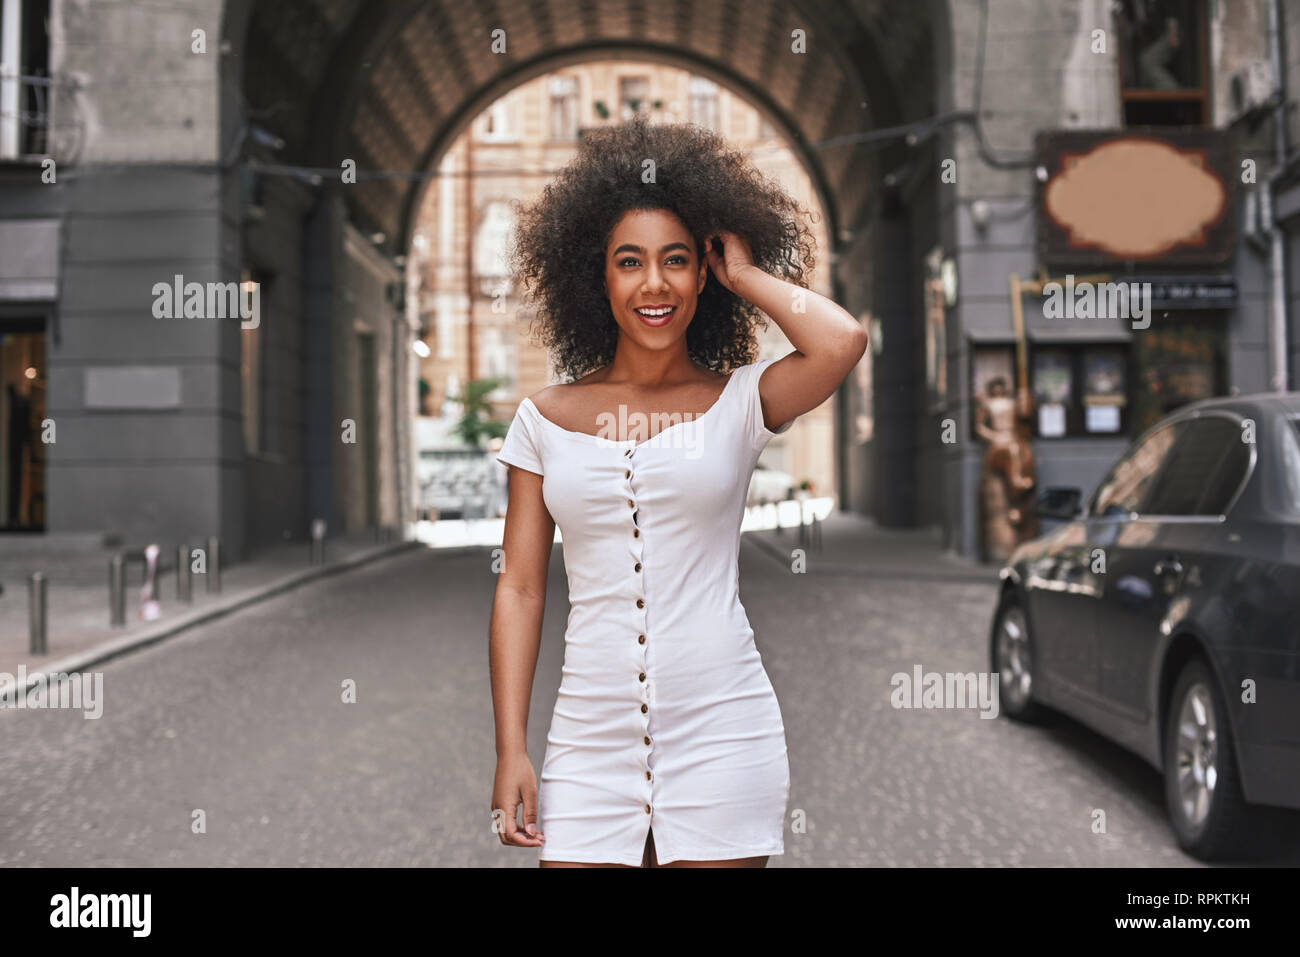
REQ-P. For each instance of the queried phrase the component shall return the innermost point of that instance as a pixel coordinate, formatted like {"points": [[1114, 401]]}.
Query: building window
{"points": [[498, 361], [1104, 398], [633, 96], [1080, 390], [1162, 61], [490, 248], [936, 344], [564, 108], [704, 102], [1182, 358], [24, 77], [498, 123]]}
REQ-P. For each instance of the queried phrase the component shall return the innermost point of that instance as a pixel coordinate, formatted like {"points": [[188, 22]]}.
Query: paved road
{"points": [[243, 721]]}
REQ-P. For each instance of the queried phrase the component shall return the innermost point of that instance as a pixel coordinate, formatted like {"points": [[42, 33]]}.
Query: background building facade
{"points": [[213, 140]]}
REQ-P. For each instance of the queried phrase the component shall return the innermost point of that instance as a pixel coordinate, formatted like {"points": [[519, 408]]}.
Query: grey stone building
{"points": [[175, 429], [210, 139]]}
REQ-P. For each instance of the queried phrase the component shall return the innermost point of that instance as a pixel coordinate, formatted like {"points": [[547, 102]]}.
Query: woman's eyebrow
{"points": [[629, 247]]}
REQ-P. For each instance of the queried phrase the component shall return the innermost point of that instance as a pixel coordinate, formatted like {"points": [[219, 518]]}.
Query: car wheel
{"points": [[1210, 817], [1012, 654]]}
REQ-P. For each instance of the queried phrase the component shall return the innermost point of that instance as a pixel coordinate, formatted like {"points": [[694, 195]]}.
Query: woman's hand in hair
{"points": [[733, 263]]}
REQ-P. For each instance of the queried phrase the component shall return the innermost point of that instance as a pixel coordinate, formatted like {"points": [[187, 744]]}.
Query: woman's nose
{"points": [[655, 279]]}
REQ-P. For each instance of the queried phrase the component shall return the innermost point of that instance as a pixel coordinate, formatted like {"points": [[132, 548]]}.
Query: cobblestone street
{"points": [[243, 719]]}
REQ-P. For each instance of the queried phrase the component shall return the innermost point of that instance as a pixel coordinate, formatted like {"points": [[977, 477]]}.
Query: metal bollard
{"points": [[150, 610], [317, 541], [117, 591], [184, 580], [37, 593], [214, 566]]}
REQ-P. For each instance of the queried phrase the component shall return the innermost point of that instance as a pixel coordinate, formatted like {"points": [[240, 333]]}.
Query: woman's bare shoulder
{"points": [[562, 396], [551, 400]]}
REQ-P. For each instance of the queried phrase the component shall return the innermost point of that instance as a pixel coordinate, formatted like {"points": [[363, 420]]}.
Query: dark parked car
{"points": [[1165, 614]]}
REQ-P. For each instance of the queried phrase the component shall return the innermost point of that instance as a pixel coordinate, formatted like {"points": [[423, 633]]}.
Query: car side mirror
{"points": [[1058, 503]]}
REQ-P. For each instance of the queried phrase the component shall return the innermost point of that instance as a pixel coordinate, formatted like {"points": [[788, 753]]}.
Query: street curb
{"points": [[956, 575], [117, 647]]}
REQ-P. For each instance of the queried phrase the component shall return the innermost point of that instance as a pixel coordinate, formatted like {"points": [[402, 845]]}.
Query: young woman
{"points": [[666, 746]]}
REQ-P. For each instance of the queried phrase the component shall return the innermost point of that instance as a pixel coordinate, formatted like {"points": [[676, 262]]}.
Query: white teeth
{"points": [[656, 312]]}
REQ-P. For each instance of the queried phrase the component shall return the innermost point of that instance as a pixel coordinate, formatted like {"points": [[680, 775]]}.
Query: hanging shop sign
{"points": [[1158, 195], [1192, 292]]}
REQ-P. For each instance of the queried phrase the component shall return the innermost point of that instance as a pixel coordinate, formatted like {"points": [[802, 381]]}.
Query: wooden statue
{"points": [[1008, 479]]}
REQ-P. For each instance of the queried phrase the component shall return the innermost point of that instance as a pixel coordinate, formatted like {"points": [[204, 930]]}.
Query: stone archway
{"points": [[390, 91]]}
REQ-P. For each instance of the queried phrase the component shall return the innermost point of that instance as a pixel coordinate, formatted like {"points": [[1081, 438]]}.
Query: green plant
{"points": [[474, 424], [601, 109]]}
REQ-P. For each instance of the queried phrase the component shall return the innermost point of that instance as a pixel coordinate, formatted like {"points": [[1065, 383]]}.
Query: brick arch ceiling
{"points": [[391, 84]]}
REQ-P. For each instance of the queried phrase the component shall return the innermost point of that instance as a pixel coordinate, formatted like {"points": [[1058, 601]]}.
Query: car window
{"points": [[1125, 488], [1204, 470], [1291, 464]]}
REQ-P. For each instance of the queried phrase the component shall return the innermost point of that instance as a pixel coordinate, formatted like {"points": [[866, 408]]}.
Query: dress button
{"points": [[645, 708], [627, 473], [627, 453], [636, 533], [640, 639], [637, 567], [647, 740], [642, 677], [647, 775], [631, 504], [640, 603], [647, 808]]}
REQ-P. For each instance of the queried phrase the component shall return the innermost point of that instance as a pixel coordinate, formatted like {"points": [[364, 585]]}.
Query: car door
{"points": [[1165, 552], [1107, 526], [1059, 612]]}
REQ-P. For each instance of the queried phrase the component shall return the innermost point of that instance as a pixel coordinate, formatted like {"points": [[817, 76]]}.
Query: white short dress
{"points": [[665, 717]]}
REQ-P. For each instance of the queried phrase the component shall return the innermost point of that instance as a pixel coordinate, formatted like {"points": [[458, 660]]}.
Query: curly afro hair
{"points": [[557, 252]]}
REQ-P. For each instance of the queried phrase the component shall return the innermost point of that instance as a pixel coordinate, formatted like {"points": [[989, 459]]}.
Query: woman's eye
{"points": [[629, 259]]}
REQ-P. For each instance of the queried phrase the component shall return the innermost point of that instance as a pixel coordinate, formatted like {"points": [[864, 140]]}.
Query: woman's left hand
{"points": [[736, 259]]}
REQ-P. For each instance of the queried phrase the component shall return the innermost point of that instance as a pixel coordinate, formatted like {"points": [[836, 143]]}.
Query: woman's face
{"points": [[651, 262]]}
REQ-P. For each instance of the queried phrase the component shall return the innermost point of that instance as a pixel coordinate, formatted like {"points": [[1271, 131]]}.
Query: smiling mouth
{"points": [[656, 316]]}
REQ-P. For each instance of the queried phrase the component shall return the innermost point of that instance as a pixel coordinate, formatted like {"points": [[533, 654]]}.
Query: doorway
{"points": [[369, 426], [22, 412]]}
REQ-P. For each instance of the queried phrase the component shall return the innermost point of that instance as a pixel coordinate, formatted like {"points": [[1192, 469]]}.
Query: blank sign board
{"points": [[133, 387]]}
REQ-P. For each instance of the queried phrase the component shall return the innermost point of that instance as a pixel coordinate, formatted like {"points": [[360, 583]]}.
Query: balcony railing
{"points": [[24, 116]]}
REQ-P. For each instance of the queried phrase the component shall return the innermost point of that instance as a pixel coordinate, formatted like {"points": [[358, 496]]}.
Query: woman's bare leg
{"points": [[735, 862], [577, 864], [651, 859], [586, 864]]}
